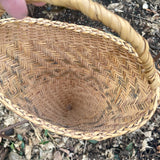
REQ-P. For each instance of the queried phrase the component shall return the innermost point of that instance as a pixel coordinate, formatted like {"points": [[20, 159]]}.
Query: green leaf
{"points": [[129, 147], [20, 138], [44, 142], [46, 132], [116, 157], [93, 141], [22, 145], [21, 153], [12, 146]]}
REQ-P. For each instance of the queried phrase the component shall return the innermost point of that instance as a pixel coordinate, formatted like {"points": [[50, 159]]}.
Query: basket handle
{"points": [[98, 12]]}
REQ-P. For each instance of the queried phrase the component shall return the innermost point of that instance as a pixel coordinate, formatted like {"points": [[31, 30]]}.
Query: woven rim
{"points": [[64, 131], [78, 134]]}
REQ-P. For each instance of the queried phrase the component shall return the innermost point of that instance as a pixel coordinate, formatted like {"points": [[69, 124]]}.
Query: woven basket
{"points": [[75, 80]]}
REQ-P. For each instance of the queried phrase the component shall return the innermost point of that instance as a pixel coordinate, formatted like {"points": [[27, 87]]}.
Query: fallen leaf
{"points": [[158, 149], [115, 7], [144, 145], [46, 132], [20, 138], [22, 145], [65, 150], [129, 147], [77, 147], [28, 150], [57, 156], [12, 146], [93, 141]]}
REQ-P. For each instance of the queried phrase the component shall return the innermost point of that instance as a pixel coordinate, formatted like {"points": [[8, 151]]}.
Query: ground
{"points": [[25, 141]]}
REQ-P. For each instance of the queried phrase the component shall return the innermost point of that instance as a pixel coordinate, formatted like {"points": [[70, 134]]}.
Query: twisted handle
{"points": [[97, 12]]}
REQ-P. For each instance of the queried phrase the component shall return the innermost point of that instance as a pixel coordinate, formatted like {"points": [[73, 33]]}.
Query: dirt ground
{"points": [[27, 142]]}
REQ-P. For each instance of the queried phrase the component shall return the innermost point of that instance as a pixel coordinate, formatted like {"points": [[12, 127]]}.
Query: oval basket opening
{"points": [[72, 79]]}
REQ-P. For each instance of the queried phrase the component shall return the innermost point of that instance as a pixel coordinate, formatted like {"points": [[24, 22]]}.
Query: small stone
{"points": [[145, 6]]}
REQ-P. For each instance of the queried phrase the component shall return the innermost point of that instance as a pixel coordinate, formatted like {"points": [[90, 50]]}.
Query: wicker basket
{"points": [[75, 80]]}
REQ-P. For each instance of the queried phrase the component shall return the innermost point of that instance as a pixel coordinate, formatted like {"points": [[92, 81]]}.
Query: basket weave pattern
{"points": [[61, 76]]}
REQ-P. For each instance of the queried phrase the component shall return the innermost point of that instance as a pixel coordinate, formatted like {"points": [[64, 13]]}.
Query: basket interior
{"points": [[71, 79]]}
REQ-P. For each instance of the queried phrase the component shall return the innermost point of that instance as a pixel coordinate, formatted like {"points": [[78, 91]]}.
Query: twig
{"points": [[144, 19], [12, 126], [31, 9], [149, 10], [54, 142], [7, 137], [36, 131], [85, 144]]}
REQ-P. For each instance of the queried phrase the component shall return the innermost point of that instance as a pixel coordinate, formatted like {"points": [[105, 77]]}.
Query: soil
{"points": [[27, 141]]}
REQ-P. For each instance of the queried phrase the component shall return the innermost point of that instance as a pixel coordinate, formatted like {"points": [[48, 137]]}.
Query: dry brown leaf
{"points": [[65, 150], [158, 149], [57, 156], [28, 150]]}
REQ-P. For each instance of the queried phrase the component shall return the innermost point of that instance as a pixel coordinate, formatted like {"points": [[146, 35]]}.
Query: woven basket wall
{"points": [[75, 80]]}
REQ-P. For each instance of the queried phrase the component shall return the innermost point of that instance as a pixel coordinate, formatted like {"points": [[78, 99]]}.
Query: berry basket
{"points": [[75, 80]]}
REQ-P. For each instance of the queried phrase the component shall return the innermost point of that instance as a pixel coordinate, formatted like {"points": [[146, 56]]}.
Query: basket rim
{"points": [[61, 130], [79, 134], [75, 28]]}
